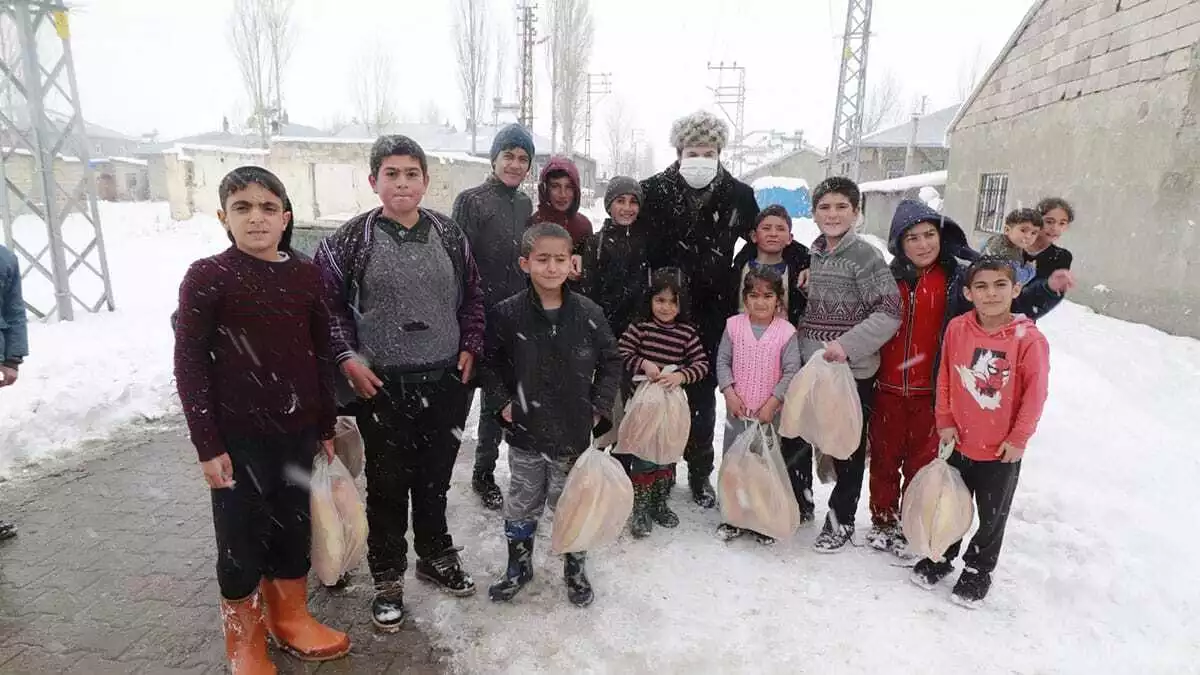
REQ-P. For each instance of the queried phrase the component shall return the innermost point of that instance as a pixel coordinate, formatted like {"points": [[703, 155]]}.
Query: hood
{"points": [[558, 163], [911, 212], [1015, 328]]}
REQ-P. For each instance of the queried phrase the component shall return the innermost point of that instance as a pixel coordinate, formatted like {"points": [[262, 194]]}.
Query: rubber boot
{"points": [[245, 631], [660, 496], [519, 570], [640, 522], [579, 589], [294, 629]]}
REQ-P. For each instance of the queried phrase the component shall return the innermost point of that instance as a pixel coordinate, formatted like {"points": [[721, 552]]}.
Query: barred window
{"points": [[993, 192]]}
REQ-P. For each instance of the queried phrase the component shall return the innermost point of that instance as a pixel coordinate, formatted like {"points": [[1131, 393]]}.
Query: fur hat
{"points": [[512, 136], [622, 185], [699, 128]]}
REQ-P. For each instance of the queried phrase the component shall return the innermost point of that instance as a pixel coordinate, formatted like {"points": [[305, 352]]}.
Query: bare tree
{"points": [[372, 83], [883, 104], [969, 73], [472, 48], [620, 138], [280, 36], [572, 33], [431, 113], [247, 37]]}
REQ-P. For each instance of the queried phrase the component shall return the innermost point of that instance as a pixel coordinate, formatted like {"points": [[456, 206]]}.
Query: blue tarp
{"points": [[797, 202]]}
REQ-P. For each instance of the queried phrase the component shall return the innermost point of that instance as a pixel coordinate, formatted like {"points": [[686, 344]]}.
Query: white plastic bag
{"points": [[937, 509], [339, 520], [753, 485], [594, 506], [348, 445], [823, 408], [656, 425]]}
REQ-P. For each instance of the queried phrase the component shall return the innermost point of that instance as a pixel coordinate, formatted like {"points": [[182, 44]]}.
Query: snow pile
{"points": [[85, 378]]}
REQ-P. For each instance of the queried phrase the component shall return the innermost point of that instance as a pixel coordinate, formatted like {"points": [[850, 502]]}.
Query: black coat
{"points": [[494, 217], [616, 271], [797, 258], [557, 375], [695, 232]]}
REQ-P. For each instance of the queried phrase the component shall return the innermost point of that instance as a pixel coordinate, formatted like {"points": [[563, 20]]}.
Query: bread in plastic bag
{"points": [[753, 486], [348, 445], [594, 506], [822, 407], [339, 520], [937, 509], [656, 425]]}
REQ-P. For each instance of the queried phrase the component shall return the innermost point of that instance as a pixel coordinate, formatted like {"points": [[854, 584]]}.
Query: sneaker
{"points": [[703, 495], [446, 572], [7, 530], [387, 609], [972, 588], [900, 546], [764, 539], [806, 516], [883, 537], [833, 538], [928, 574], [340, 585], [727, 532], [489, 493]]}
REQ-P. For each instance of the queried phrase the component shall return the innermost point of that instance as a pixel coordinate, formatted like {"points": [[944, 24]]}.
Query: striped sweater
{"points": [[852, 299], [674, 344]]}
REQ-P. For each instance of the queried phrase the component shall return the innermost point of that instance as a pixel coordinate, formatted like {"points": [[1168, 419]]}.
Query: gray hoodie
{"points": [[494, 217]]}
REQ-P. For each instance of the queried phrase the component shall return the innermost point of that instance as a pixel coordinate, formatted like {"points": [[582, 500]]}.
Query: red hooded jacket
{"points": [[992, 385], [576, 223]]}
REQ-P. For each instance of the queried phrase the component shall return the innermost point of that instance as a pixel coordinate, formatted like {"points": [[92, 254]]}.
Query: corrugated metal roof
{"points": [[931, 132]]}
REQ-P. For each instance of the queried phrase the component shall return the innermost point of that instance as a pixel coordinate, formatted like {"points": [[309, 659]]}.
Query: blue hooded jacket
{"points": [[14, 339]]}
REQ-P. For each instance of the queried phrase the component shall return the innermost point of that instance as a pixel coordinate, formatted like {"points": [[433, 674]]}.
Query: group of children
{"points": [[258, 338]]}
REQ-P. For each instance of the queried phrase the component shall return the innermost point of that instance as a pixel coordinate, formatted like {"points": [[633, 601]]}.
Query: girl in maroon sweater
{"points": [[254, 370]]}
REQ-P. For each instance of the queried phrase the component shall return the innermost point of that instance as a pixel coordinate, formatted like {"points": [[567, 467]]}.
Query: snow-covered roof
{"points": [[130, 160], [180, 148], [768, 182], [931, 132], [903, 183], [441, 156], [25, 152], [442, 138]]}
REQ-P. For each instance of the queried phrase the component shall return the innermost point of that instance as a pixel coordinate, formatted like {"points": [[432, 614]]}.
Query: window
{"points": [[895, 174], [993, 191], [131, 182]]}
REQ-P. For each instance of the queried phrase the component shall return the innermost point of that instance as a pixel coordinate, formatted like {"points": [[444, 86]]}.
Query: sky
{"points": [[147, 65]]}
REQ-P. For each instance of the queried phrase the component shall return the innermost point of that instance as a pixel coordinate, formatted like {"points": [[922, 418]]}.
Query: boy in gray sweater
{"points": [[853, 309]]}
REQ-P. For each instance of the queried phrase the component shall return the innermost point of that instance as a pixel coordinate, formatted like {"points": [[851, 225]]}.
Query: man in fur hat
{"points": [[700, 211]]}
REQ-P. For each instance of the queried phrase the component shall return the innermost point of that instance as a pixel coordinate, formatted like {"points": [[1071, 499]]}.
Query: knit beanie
{"points": [[512, 136], [699, 128], [621, 185]]}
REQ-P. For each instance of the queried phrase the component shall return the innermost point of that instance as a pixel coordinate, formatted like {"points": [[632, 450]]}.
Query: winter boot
{"points": [[727, 532], [445, 570], [387, 609], [834, 536], [246, 636], [7, 530], [489, 493], [579, 589], [702, 492], [763, 539], [520, 561], [293, 628], [660, 495], [640, 522], [883, 537], [972, 588], [928, 574]]}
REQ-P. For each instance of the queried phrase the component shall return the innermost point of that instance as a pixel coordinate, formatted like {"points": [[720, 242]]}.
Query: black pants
{"points": [[993, 484], [798, 455], [698, 453], [487, 450], [843, 502], [411, 437], [262, 522]]}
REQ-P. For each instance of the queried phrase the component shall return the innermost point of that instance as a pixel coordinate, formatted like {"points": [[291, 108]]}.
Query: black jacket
{"points": [[494, 217], [797, 258], [616, 271], [695, 232], [557, 375]]}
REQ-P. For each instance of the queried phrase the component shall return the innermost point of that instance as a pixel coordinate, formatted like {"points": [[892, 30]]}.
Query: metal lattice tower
{"points": [[852, 87], [599, 84], [40, 119], [732, 94], [527, 20]]}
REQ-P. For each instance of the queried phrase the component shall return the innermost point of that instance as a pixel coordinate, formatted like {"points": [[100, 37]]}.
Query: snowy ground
{"points": [[1098, 573]]}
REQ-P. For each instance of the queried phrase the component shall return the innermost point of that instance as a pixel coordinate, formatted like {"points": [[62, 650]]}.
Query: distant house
{"points": [[1096, 102], [805, 163], [883, 153], [880, 198]]}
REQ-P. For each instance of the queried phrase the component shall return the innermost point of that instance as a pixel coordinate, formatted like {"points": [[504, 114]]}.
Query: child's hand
{"points": [[670, 380], [949, 435], [802, 278], [652, 371], [835, 353], [733, 404], [767, 412], [1010, 453], [327, 447], [362, 379], [506, 413], [218, 471], [576, 267], [1061, 281]]}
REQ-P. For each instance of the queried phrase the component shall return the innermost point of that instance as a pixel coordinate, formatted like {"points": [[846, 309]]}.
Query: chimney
{"points": [[225, 124]]}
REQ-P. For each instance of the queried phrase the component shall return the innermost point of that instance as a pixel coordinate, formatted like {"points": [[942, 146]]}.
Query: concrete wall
{"points": [[156, 169], [177, 180], [805, 165], [874, 163], [118, 180], [19, 170], [1101, 106]]}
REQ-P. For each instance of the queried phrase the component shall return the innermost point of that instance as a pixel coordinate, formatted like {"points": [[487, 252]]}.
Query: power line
{"points": [[732, 95], [528, 33]]}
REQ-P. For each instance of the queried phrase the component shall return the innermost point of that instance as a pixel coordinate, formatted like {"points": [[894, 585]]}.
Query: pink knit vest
{"points": [[757, 363]]}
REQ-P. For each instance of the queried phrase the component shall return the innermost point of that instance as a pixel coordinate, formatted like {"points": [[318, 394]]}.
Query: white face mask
{"points": [[698, 171]]}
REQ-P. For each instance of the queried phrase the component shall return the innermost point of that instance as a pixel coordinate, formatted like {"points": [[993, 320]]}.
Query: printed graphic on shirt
{"points": [[986, 377]]}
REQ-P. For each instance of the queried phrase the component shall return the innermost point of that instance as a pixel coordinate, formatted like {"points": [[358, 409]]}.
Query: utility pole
{"points": [[910, 152], [852, 88], [527, 21], [599, 84], [734, 95], [42, 72]]}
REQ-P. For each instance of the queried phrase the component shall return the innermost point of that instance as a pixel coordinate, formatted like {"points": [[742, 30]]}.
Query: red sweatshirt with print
{"points": [[992, 384]]}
